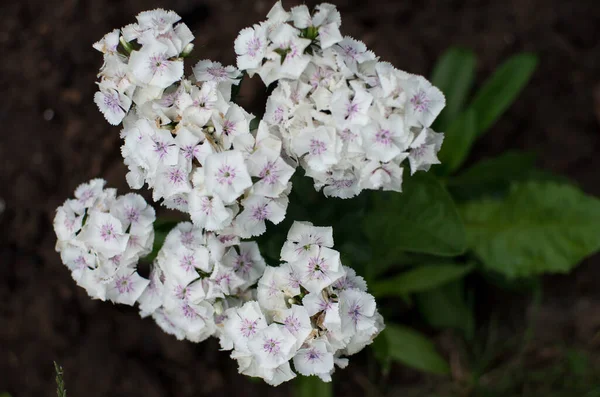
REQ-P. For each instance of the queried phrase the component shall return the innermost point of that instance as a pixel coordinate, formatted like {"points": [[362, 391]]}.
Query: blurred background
{"points": [[54, 138]]}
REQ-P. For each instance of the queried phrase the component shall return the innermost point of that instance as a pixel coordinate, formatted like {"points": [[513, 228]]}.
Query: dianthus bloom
{"points": [[195, 277], [310, 311], [347, 118], [184, 137], [100, 239]]}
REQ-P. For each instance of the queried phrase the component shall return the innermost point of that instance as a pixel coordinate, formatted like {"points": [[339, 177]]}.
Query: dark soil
{"points": [[54, 138]]}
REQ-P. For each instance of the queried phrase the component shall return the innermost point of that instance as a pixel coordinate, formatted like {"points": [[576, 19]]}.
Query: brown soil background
{"points": [[53, 138]]}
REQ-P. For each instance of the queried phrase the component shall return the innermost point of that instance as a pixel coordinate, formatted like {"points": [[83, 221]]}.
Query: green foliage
{"points": [[502, 89], [421, 219], [5, 394], [60, 382], [539, 227], [312, 386], [453, 74], [446, 307], [492, 176], [420, 278], [458, 139], [411, 348], [162, 227]]}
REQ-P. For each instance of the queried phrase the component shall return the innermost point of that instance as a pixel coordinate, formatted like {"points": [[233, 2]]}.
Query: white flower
{"points": [[100, 239], [351, 52], [158, 20], [314, 359], [302, 237], [349, 107], [319, 146], [289, 57], [424, 101], [384, 139], [209, 212], [297, 321], [126, 286], [104, 234], [152, 297], [244, 323], [319, 302], [88, 194], [350, 280], [248, 264], [235, 123], [133, 212], [321, 269], [424, 150], [152, 65], [226, 175], [272, 346], [207, 70], [326, 19], [250, 46], [357, 310], [257, 209], [277, 286], [273, 171], [376, 175], [66, 221], [109, 43]]}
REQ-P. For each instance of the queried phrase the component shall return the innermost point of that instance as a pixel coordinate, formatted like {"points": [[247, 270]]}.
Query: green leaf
{"points": [[446, 307], [458, 140], [420, 279], [453, 74], [162, 227], [5, 394], [501, 90], [414, 350], [61, 391], [381, 352], [311, 386], [540, 227], [235, 88], [492, 176], [254, 123], [421, 219]]}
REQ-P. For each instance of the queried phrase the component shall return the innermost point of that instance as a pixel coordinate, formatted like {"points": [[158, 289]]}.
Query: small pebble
{"points": [[48, 114]]}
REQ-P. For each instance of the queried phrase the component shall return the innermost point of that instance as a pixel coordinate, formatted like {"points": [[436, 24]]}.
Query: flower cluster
{"points": [[195, 277], [183, 136], [311, 310], [349, 119], [100, 239]]}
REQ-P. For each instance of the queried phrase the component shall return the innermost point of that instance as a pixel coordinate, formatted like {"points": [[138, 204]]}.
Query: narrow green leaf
{"points": [[414, 350], [421, 219], [311, 386], [162, 227], [492, 175], [501, 90], [446, 307], [458, 140], [61, 391], [382, 354], [453, 74], [235, 88], [420, 279], [5, 394], [254, 124], [540, 227]]}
